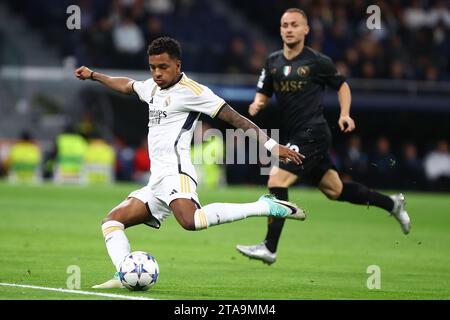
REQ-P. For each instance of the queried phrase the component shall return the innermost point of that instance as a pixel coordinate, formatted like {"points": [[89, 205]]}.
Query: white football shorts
{"points": [[158, 196]]}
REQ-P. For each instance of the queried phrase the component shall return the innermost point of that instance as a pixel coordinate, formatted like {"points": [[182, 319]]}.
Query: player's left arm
{"points": [[329, 75], [345, 122], [231, 116]]}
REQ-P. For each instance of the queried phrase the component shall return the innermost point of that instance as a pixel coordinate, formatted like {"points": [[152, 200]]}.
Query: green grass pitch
{"points": [[45, 229]]}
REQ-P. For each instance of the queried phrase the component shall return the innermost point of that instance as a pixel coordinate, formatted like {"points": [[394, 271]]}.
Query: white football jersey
{"points": [[173, 115]]}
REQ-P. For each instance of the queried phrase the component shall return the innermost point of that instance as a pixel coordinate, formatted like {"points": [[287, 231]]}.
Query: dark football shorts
{"points": [[314, 143]]}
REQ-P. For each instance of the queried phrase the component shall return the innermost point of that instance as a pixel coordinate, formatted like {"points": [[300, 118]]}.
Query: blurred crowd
{"points": [[413, 42], [119, 37], [404, 167]]}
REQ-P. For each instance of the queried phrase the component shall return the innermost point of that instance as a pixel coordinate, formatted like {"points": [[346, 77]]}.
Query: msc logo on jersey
{"points": [[289, 86], [303, 71], [287, 70]]}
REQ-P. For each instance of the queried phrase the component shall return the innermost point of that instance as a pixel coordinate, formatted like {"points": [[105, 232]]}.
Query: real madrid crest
{"points": [[287, 70], [303, 71]]}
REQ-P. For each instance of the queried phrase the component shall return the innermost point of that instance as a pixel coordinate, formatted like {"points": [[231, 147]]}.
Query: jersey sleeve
{"points": [[143, 89], [328, 75], [265, 83], [206, 102]]}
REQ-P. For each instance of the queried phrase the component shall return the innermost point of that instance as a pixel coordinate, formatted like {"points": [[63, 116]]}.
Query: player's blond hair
{"points": [[298, 11]]}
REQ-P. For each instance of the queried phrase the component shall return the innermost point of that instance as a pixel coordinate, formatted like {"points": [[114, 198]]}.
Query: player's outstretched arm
{"points": [[119, 84], [228, 114]]}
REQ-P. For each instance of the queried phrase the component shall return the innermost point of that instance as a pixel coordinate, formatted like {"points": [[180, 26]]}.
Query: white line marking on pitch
{"points": [[88, 293]]}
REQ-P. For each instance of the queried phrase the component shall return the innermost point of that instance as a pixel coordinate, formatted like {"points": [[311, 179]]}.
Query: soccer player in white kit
{"points": [[175, 103]]}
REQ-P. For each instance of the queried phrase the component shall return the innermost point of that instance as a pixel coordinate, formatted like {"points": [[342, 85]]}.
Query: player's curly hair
{"points": [[165, 45]]}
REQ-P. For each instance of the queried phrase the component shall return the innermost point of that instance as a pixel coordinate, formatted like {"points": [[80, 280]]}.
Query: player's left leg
{"points": [[128, 213], [192, 217], [333, 187], [279, 182]]}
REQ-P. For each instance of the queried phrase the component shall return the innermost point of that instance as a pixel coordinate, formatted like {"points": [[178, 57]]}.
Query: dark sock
{"points": [[360, 194], [275, 224]]}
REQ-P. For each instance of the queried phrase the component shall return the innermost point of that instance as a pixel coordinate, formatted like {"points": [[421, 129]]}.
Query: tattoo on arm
{"points": [[228, 114]]}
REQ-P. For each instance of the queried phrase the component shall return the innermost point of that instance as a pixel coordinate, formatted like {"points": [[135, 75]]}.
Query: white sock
{"points": [[116, 241], [218, 213]]}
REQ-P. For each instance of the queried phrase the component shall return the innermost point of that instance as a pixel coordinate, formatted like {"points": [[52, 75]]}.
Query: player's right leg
{"points": [[193, 217], [127, 214], [278, 184]]}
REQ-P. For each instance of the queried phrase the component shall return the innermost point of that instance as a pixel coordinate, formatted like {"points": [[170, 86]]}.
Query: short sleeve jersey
{"points": [[173, 115], [298, 85]]}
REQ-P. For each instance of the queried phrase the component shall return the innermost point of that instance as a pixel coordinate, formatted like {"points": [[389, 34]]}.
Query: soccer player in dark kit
{"points": [[298, 76]]}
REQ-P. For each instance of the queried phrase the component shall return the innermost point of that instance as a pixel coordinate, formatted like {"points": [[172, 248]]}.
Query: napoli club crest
{"points": [[287, 70], [303, 71]]}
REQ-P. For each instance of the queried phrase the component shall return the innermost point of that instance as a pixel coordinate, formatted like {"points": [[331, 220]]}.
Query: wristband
{"points": [[92, 75], [270, 144]]}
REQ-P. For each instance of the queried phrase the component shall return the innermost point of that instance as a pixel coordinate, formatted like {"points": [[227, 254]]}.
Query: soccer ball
{"points": [[139, 271]]}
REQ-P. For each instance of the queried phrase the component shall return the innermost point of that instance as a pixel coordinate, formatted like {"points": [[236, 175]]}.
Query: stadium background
{"points": [[399, 77]]}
